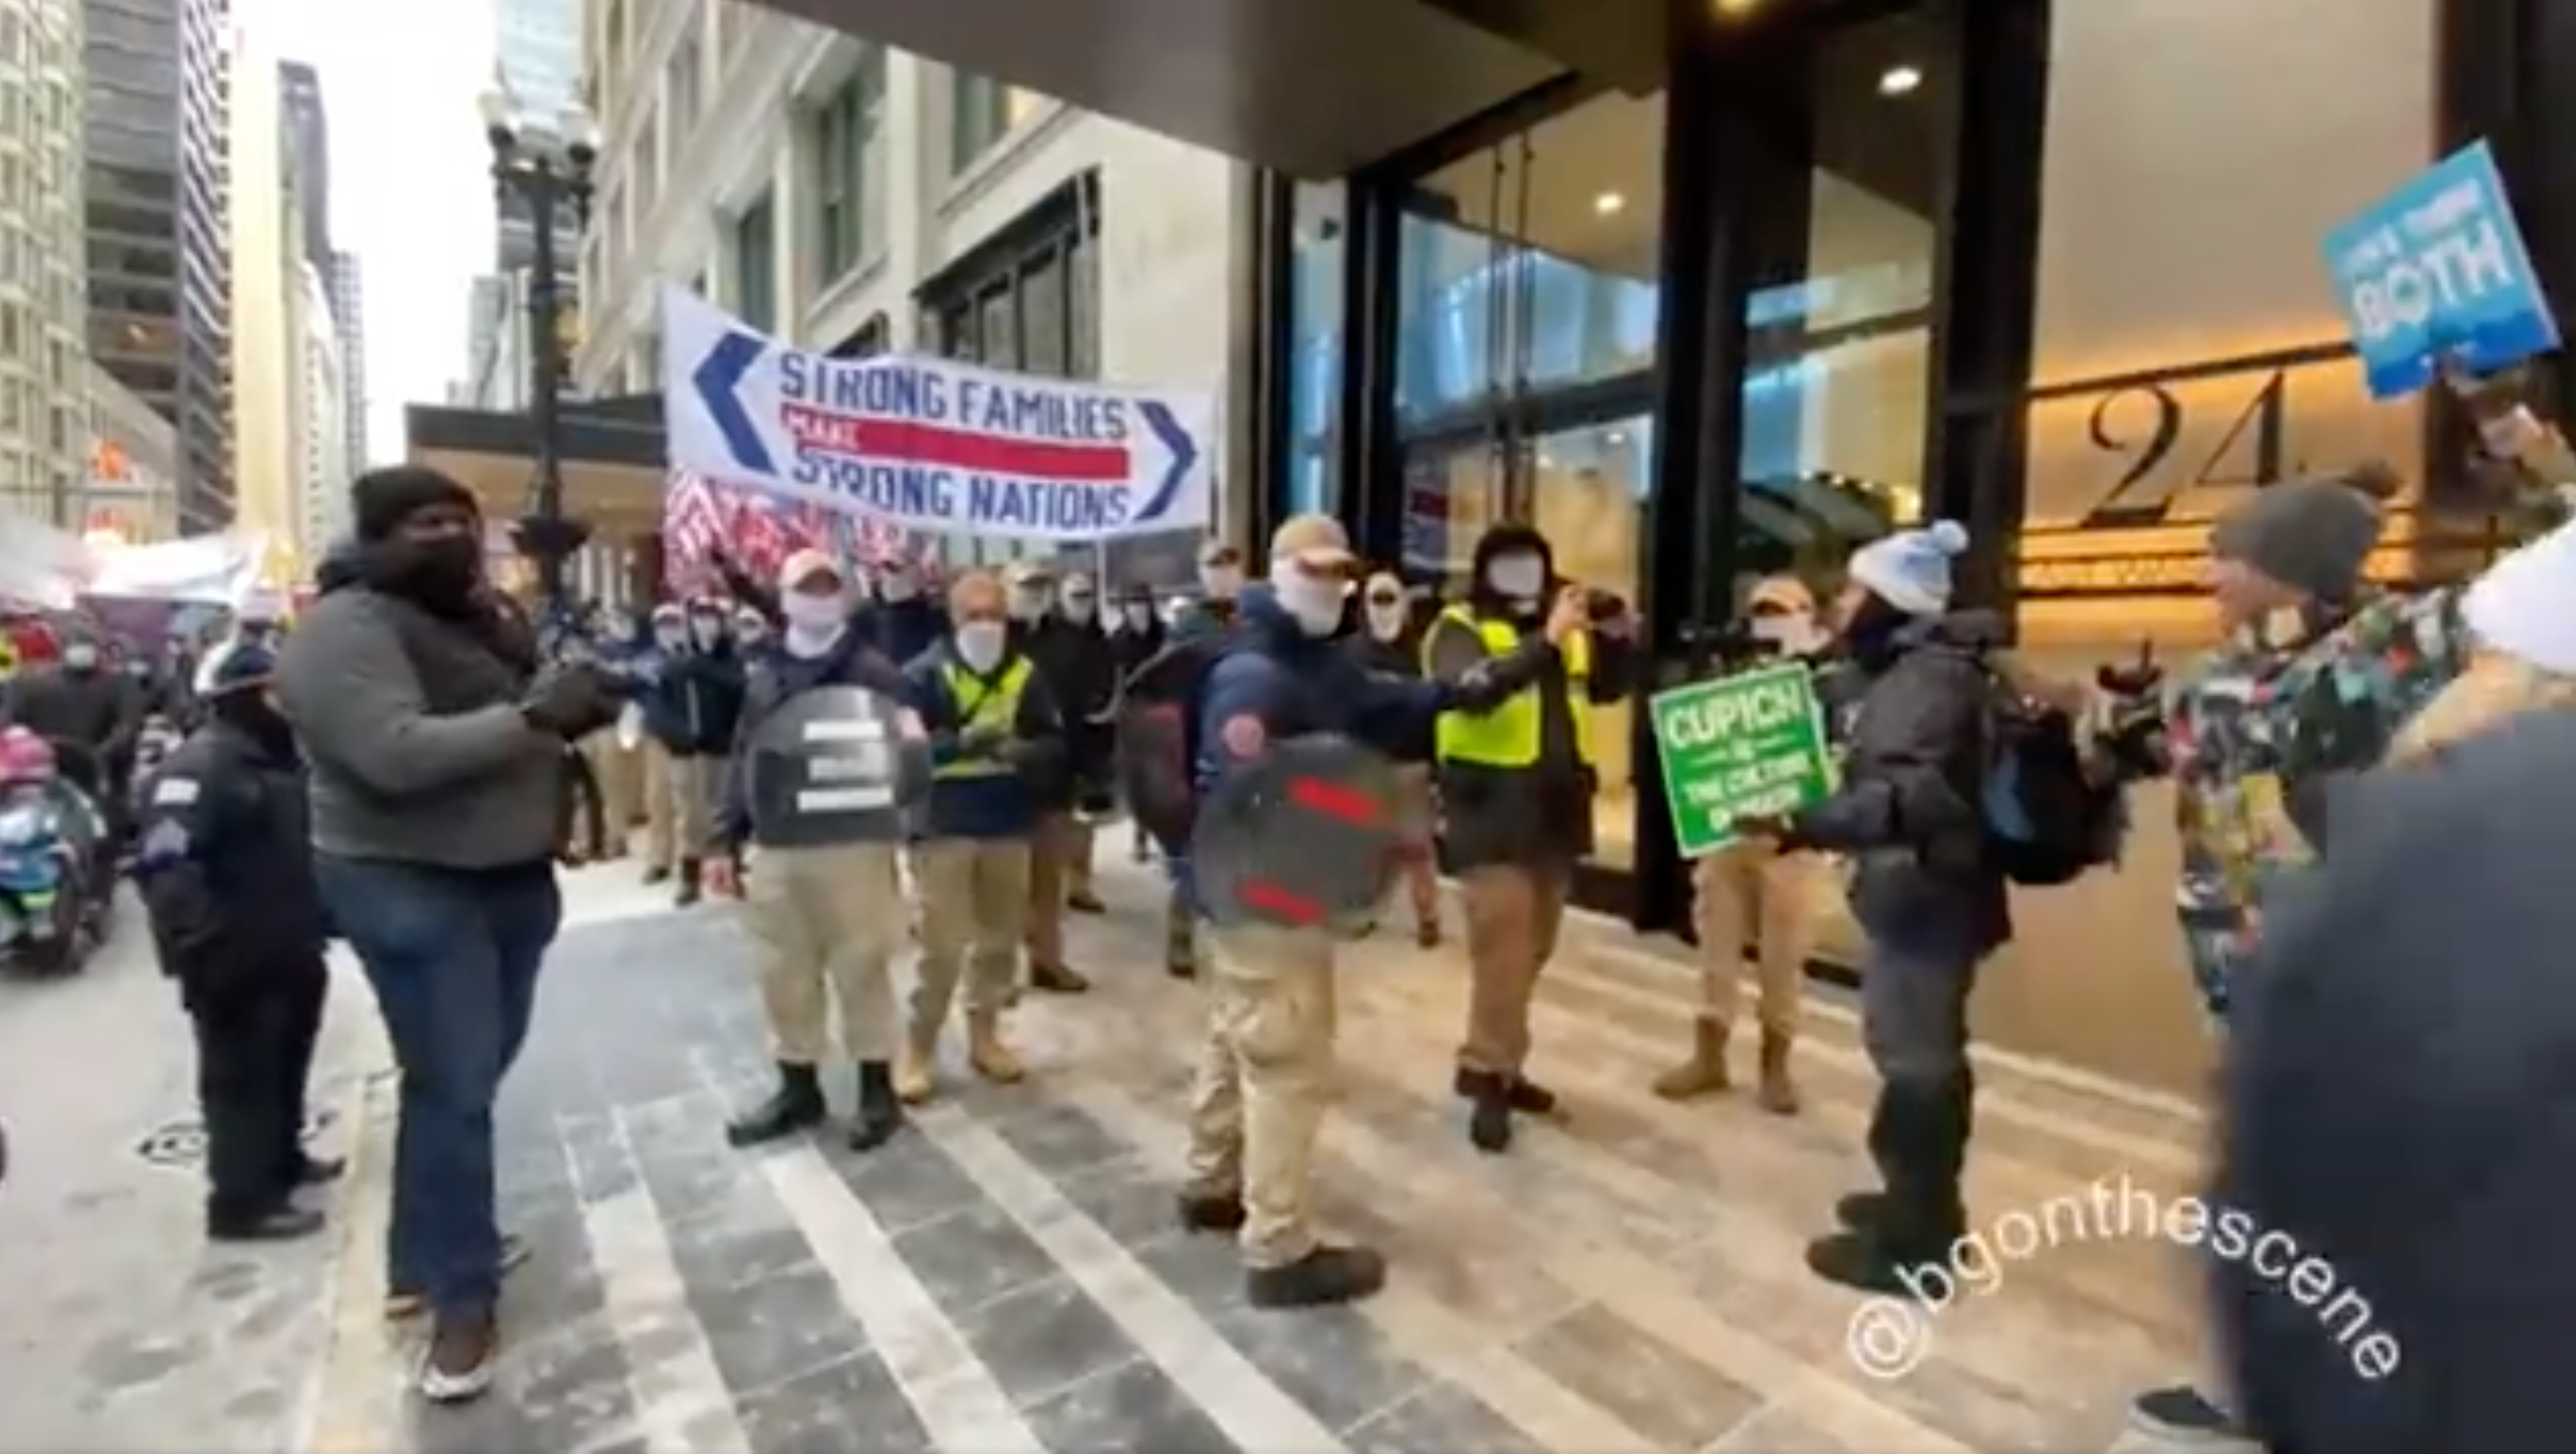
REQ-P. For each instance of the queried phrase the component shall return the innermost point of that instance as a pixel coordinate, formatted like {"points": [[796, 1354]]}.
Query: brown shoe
{"points": [[989, 1054], [915, 1079], [1777, 1093], [1704, 1072]]}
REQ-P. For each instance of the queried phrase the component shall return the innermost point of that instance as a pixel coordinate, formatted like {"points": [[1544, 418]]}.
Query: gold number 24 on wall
{"points": [[2144, 423]]}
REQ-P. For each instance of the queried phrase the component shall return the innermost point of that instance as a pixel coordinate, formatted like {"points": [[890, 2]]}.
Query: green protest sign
{"points": [[1747, 745]]}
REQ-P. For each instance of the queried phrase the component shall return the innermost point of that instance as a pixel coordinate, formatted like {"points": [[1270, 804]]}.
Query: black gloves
{"points": [[571, 700]]}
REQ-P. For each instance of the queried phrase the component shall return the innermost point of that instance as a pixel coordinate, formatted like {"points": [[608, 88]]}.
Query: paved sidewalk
{"points": [[1006, 1275], [120, 1329]]}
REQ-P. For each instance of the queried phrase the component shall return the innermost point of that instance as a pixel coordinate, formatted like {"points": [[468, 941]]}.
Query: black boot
{"points": [[284, 1223], [880, 1113], [797, 1105], [690, 887], [1489, 1117], [1321, 1278], [1902, 1239], [1205, 1213], [1525, 1097]]}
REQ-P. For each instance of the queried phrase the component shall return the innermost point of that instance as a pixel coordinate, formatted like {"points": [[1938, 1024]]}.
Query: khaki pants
{"points": [[619, 771], [1059, 866], [1265, 1074], [1513, 915], [1751, 894], [678, 792], [828, 921], [974, 913]]}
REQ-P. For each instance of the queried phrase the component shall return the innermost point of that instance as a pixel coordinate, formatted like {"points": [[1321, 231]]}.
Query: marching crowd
{"points": [[395, 773]]}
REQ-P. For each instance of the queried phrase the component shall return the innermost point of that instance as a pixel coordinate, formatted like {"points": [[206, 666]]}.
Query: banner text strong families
{"points": [[899, 440]]}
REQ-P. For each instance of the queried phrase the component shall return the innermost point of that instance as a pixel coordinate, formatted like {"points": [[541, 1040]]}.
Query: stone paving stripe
{"points": [[953, 1393], [1523, 1395], [681, 1399], [358, 1405], [1255, 1414]]}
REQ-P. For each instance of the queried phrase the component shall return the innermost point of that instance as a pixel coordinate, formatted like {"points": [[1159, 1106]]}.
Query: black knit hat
{"points": [[382, 499]]}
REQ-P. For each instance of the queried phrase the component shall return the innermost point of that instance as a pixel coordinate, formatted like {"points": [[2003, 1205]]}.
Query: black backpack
{"points": [[2048, 819], [1156, 717]]}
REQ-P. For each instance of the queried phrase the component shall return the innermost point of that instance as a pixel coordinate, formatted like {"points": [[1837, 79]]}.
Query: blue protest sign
{"points": [[929, 444], [2438, 270]]}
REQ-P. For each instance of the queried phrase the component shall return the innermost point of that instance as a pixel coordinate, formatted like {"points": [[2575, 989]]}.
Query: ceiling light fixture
{"points": [[1609, 203], [1900, 81], [1737, 8]]}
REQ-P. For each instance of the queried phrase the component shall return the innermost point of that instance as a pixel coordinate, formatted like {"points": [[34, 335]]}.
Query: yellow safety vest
{"points": [[1509, 735], [994, 705]]}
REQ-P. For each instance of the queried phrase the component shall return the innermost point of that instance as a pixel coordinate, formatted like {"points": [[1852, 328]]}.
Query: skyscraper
{"points": [[158, 90], [537, 44], [308, 155], [44, 403], [349, 315]]}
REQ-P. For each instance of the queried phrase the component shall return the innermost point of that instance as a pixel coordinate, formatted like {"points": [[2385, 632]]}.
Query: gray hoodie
{"points": [[412, 729]]}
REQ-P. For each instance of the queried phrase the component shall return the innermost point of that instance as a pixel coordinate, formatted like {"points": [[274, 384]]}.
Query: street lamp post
{"points": [[541, 169]]}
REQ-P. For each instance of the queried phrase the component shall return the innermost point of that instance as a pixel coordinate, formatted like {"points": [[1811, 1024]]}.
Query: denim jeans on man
{"points": [[453, 955]]}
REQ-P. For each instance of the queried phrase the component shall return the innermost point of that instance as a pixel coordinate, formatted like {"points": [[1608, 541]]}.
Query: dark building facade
{"points": [[347, 284], [158, 231], [1713, 288]]}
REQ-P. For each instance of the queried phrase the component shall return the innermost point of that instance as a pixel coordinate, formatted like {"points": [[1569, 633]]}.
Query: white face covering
{"points": [[1028, 603], [1794, 633], [898, 586], [706, 631], [80, 656], [1079, 605], [1386, 618], [1221, 582], [750, 630], [813, 622], [1139, 616], [1517, 577], [1317, 605], [670, 635], [980, 643]]}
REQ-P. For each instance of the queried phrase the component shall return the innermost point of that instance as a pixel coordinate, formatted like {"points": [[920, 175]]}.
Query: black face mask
{"points": [[1870, 635], [438, 574], [249, 713]]}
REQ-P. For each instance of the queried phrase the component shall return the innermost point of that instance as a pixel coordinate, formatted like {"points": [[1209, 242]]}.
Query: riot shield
{"points": [[1151, 753], [836, 765], [1308, 836]]}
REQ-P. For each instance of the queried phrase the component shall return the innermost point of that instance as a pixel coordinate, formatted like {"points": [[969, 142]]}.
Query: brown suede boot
{"points": [[989, 1053], [1704, 1073], [916, 1075], [1777, 1093]]}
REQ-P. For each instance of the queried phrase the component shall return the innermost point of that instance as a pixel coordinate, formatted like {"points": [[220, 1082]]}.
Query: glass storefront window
{"points": [[1315, 347], [1526, 319]]}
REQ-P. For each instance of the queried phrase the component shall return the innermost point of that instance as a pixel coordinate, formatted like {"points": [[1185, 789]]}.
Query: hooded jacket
{"points": [[1910, 811], [1532, 816]]}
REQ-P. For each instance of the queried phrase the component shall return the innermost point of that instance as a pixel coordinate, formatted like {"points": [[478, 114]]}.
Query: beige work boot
{"points": [[916, 1077], [986, 1051], [1777, 1093], [1704, 1073]]}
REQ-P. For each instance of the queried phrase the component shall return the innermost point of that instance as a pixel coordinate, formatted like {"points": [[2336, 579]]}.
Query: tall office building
{"points": [[157, 83], [349, 315], [44, 401], [308, 154], [537, 45]]}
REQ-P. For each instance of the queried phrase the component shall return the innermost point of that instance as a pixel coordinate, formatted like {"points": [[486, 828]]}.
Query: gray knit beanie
{"points": [[2313, 535]]}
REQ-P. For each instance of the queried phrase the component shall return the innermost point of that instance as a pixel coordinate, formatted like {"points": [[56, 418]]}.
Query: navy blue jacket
{"points": [[224, 859], [694, 701], [903, 630], [991, 805]]}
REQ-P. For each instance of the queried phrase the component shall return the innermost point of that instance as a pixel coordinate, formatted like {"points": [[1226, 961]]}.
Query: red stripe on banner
{"points": [[1270, 898], [1335, 801], [895, 439]]}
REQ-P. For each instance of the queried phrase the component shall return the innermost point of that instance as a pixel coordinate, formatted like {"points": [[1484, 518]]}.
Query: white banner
{"points": [[40, 565], [926, 444], [208, 570]]}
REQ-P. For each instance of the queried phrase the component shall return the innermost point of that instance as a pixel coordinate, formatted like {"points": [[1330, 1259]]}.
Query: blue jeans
{"points": [[453, 957]]}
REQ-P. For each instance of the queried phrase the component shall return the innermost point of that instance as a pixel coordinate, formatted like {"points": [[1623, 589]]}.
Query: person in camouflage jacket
{"points": [[2320, 674]]}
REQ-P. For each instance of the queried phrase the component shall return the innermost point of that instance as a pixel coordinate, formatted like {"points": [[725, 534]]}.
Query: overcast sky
{"points": [[409, 194]]}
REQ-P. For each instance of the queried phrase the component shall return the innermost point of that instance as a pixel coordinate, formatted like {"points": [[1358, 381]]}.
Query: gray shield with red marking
{"points": [[1309, 836]]}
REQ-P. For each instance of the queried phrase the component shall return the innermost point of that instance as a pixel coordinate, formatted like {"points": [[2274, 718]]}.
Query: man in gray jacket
{"points": [[435, 746]]}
